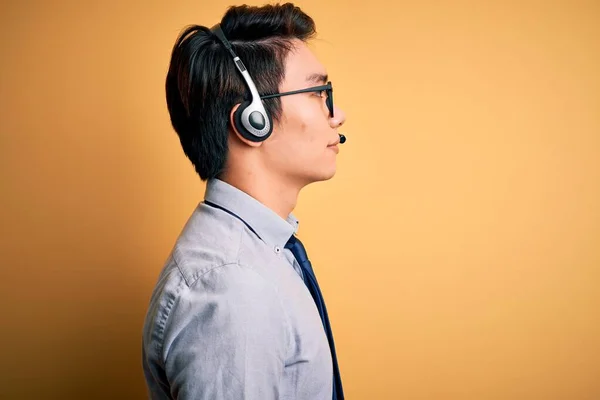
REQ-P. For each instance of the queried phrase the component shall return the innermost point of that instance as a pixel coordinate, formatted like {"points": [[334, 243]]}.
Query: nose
{"points": [[339, 117]]}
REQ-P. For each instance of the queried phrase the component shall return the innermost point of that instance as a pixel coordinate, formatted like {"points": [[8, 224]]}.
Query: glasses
{"points": [[328, 89]]}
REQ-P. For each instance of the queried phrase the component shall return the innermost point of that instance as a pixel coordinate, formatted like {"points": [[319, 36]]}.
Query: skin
{"points": [[302, 148]]}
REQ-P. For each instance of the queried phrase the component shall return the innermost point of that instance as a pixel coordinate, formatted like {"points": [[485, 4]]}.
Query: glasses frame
{"points": [[328, 88]]}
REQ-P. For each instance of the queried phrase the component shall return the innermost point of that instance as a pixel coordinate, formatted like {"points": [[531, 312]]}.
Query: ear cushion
{"points": [[237, 119]]}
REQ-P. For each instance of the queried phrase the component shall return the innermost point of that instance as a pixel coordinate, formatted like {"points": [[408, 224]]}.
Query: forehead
{"points": [[300, 64]]}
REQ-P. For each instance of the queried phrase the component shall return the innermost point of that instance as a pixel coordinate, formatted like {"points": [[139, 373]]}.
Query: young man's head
{"points": [[204, 89]]}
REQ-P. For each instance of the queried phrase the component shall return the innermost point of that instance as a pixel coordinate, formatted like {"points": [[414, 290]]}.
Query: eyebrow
{"points": [[317, 78]]}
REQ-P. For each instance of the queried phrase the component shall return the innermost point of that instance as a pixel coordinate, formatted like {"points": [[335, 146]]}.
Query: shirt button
{"points": [[277, 249]]}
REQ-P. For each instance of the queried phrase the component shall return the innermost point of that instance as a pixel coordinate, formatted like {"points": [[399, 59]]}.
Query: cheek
{"points": [[307, 133], [303, 122], [295, 118]]}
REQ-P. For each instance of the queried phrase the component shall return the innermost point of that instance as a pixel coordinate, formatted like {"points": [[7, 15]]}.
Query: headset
{"points": [[250, 119]]}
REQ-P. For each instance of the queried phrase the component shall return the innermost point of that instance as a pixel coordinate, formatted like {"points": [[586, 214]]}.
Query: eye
{"points": [[320, 93]]}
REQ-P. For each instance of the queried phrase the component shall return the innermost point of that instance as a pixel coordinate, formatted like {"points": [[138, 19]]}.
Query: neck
{"points": [[278, 196]]}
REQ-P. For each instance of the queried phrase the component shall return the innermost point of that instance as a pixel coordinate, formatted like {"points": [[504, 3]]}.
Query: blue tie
{"points": [[295, 245]]}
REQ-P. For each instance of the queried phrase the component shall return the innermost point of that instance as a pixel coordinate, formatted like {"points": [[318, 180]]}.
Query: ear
{"points": [[235, 130]]}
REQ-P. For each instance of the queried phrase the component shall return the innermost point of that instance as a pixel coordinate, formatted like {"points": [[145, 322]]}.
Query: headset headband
{"points": [[255, 123]]}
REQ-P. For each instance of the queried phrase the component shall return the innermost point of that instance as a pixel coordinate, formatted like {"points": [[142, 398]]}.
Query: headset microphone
{"points": [[342, 138]]}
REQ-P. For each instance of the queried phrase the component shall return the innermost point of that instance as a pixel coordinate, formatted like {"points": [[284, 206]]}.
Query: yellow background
{"points": [[458, 246]]}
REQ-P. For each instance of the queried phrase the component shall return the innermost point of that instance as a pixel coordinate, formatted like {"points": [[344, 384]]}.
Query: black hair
{"points": [[203, 85]]}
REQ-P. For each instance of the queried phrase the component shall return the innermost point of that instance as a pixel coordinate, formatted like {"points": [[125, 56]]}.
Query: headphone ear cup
{"points": [[237, 120], [270, 125]]}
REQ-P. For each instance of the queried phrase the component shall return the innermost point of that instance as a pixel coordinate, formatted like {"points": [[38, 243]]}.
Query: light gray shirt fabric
{"points": [[230, 316]]}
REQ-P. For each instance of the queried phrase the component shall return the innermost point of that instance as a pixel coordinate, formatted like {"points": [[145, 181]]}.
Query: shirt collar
{"points": [[272, 229]]}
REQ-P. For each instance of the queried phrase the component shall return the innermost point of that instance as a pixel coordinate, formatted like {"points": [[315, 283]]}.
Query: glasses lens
{"points": [[330, 100]]}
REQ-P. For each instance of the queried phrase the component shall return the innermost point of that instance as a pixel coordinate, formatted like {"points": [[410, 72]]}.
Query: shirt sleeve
{"points": [[226, 338]]}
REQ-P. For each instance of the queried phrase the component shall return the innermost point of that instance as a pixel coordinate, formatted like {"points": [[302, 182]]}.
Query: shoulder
{"points": [[228, 300], [208, 240], [213, 273]]}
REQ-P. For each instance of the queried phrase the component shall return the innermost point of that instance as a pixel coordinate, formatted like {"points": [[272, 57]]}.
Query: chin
{"points": [[330, 175], [324, 175]]}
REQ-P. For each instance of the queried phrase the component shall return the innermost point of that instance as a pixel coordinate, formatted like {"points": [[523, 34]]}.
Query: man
{"points": [[236, 312]]}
